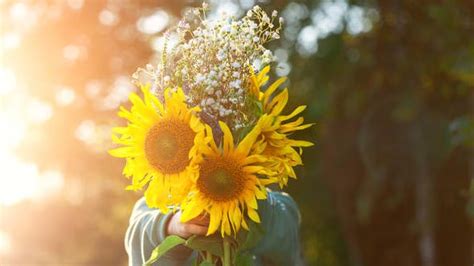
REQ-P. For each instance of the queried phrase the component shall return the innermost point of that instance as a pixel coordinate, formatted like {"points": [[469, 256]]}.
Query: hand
{"points": [[196, 226]]}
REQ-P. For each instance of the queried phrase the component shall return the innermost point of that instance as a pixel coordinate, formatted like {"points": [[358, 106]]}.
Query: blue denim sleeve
{"points": [[281, 220], [279, 246], [145, 232]]}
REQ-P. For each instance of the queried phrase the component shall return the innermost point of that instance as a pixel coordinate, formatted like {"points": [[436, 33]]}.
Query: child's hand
{"points": [[197, 226]]}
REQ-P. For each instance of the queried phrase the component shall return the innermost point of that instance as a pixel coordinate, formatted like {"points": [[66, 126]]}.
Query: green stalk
{"points": [[226, 261], [208, 256]]}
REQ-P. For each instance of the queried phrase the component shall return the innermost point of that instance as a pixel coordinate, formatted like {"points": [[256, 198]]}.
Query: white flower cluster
{"points": [[213, 59]]}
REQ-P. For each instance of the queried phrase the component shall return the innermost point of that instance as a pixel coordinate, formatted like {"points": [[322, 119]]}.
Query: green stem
{"points": [[208, 256], [226, 261]]}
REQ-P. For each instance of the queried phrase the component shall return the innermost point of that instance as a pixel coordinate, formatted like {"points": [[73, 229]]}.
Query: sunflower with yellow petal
{"points": [[161, 146], [274, 140], [229, 183]]}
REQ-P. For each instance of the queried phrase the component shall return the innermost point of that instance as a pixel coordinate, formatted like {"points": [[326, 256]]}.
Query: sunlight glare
{"points": [[39, 111], [23, 181], [4, 243], [153, 23], [65, 96], [8, 79]]}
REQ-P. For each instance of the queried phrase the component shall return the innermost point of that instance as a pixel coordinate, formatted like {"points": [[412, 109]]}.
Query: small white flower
{"points": [[210, 101], [226, 28], [166, 78], [210, 90], [274, 13], [266, 19], [220, 55], [235, 64], [256, 39], [200, 77]]}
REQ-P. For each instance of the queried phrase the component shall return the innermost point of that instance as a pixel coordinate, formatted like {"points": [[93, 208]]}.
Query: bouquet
{"points": [[208, 135]]}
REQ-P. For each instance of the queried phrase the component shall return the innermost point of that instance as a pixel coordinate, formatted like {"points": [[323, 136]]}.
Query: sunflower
{"points": [[274, 140], [158, 144], [228, 184]]}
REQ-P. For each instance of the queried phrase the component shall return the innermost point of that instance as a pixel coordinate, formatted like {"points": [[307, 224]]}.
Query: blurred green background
{"points": [[388, 83]]}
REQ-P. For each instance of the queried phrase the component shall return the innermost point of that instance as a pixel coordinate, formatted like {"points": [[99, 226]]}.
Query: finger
{"points": [[194, 229], [201, 220]]}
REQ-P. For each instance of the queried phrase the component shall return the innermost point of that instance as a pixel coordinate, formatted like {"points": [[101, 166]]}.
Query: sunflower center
{"points": [[221, 178], [167, 146]]}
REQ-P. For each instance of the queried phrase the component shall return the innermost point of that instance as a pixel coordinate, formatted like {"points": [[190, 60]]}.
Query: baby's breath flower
{"points": [[212, 61], [235, 64]]}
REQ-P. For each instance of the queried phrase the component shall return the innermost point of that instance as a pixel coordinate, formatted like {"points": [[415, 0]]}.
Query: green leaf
{"points": [[243, 259], [206, 263], [259, 106], [212, 244], [248, 240], [167, 244]]}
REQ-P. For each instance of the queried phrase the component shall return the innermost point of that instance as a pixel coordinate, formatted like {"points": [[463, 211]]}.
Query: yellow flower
{"points": [[228, 184], [274, 140], [158, 144]]}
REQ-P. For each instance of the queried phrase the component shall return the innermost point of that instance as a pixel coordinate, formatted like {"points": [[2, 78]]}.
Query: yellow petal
{"points": [[300, 143], [297, 111], [215, 220], [255, 159], [245, 225], [246, 144], [261, 193], [251, 202], [124, 152], [237, 218], [253, 215], [191, 211], [278, 103], [268, 93], [228, 138], [262, 76], [225, 224], [251, 169]]}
